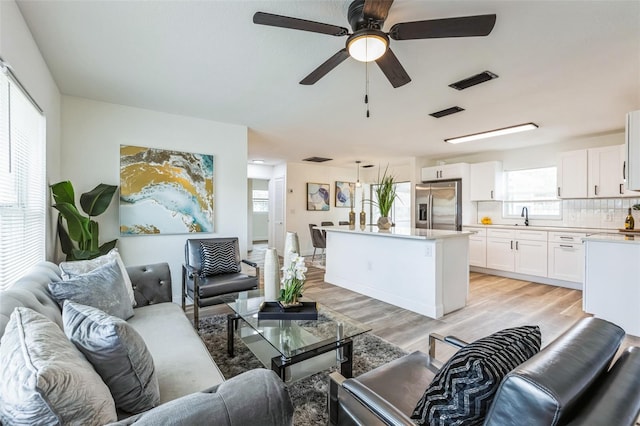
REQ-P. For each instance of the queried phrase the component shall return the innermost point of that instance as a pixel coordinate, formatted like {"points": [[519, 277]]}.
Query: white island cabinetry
{"points": [[422, 270], [611, 286]]}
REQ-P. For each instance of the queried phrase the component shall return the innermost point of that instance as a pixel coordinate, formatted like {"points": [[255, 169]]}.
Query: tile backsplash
{"points": [[606, 213]]}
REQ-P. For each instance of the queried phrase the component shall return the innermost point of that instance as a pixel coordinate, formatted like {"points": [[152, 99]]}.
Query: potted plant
{"points": [[80, 239], [385, 192], [292, 282]]}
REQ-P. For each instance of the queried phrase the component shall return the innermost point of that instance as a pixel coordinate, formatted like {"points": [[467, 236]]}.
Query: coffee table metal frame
{"points": [[280, 363]]}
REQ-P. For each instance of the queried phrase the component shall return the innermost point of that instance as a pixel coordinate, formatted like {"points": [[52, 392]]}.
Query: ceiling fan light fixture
{"points": [[367, 45], [492, 133]]}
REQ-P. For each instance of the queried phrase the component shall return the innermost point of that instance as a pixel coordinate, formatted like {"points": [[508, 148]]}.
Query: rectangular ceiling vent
{"points": [[445, 112], [317, 159], [368, 166], [473, 80]]}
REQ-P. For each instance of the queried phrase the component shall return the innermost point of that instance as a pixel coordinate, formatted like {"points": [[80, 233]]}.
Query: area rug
{"points": [[309, 395]]}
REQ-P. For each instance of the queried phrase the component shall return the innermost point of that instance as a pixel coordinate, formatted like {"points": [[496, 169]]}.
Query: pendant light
{"points": [[358, 184]]}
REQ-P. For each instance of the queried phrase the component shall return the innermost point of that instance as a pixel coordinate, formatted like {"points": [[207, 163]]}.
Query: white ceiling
{"points": [[572, 67]]}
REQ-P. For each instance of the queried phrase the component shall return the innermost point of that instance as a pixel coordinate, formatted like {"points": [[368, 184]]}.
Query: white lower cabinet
{"points": [[523, 252], [566, 256], [477, 246]]}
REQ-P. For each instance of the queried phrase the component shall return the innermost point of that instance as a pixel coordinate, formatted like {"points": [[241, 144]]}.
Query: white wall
{"points": [[297, 216], [18, 48], [92, 134]]}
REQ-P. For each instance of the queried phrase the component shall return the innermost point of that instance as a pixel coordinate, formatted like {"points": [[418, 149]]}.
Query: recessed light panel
{"points": [[491, 133]]}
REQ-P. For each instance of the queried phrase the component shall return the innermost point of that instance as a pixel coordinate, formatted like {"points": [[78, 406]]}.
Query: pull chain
{"points": [[366, 87]]}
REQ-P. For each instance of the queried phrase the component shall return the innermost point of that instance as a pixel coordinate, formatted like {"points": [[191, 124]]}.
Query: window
{"points": [[22, 182], [534, 189], [260, 200]]}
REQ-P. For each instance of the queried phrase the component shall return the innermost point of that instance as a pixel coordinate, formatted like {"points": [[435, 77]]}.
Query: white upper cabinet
{"points": [[447, 171], [632, 151], [485, 181], [605, 172], [572, 174]]}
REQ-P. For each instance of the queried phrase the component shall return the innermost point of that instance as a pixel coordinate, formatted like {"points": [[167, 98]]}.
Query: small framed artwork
{"points": [[345, 194], [318, 196]]}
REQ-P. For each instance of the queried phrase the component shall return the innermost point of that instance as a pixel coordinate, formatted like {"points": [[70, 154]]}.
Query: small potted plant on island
{"points": [[293, 278], [385, 192]]}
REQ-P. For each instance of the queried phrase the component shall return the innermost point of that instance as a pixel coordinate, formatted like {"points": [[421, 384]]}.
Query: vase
{"points": [[352, 219], [271, 275], [384, 222], [363, 219], [291, 245]]}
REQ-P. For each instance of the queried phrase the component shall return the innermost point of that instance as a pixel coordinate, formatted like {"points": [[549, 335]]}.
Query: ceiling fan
{"points": [[369, 43]]}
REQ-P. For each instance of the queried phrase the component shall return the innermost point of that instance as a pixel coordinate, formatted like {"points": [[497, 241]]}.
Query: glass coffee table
{"points": [[294, 349]]}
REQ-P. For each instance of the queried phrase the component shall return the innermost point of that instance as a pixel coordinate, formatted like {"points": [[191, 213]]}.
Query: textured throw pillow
{"points": [[44, 379], [79, 267], [101, 288], [218, 257], [464, 388], [118, 354]]}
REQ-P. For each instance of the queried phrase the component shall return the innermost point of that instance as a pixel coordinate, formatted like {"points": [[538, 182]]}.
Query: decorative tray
{"points": [[273, 310]]}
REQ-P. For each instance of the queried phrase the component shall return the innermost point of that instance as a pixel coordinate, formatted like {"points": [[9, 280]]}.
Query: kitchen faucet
{"points": [[525, 214]]}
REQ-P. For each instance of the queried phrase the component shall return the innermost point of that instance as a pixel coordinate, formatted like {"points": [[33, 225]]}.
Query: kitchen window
{"points": [[534, 189], [22, 181]]}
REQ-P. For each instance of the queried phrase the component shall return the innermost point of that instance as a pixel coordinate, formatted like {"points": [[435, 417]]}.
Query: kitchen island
{"points": [[611, 288], [422, 270]]}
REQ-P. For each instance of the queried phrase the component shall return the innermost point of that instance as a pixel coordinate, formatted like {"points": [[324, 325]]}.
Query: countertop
{"points": [[542, 228], [614, 237], [394, 232]]}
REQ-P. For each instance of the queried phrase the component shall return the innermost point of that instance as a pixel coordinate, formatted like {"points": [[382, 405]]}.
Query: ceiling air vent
{"points": [[317, 159], [367, 166], [446, 112], [473, 80]]}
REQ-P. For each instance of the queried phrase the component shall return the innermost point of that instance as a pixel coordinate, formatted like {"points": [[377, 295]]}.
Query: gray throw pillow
{"points": [[101, 288], [79, 267], [463, 390], [44, 379], [118, 353]]}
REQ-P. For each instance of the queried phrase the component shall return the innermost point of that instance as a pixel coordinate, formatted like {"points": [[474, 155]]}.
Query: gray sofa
{"points": [[570, 381], [192, 388]]}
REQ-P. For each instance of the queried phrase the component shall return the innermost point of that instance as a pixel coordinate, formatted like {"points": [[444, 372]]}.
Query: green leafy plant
{"points": [[80, 239], [385, 192]]}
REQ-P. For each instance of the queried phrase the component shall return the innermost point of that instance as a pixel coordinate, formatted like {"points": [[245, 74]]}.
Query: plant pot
{"points": [[384, 223]]}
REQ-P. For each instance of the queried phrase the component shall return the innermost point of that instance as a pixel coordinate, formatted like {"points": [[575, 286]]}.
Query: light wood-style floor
{"points": [[494, 303]]}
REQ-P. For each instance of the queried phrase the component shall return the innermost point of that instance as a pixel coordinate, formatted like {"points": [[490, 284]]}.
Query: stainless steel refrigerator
{"points": [[439, 205]]}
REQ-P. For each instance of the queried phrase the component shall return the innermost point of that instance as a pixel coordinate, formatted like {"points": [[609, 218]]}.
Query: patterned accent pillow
{"points": [[117, 352], [44, 379], [463, 390], [218, 258]]}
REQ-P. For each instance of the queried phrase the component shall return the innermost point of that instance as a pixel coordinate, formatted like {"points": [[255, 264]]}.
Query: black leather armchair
{"points": [[568, 382], [205, 290]]}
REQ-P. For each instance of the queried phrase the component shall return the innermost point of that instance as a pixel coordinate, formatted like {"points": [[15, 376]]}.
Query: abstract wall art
{"points": [[345, 194], [165, 192], [318, 196]]}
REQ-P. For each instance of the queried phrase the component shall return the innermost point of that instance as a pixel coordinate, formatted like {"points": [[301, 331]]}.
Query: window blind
{"points": [[22, 182]]}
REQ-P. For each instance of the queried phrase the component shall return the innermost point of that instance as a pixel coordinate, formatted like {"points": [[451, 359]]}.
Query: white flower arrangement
{"points": [[293, 277]]}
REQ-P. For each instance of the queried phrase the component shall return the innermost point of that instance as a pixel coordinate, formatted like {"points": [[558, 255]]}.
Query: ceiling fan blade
{"points": [[298, 24], [327, 66], [393, 69], [464, 26], [377, 9]]}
